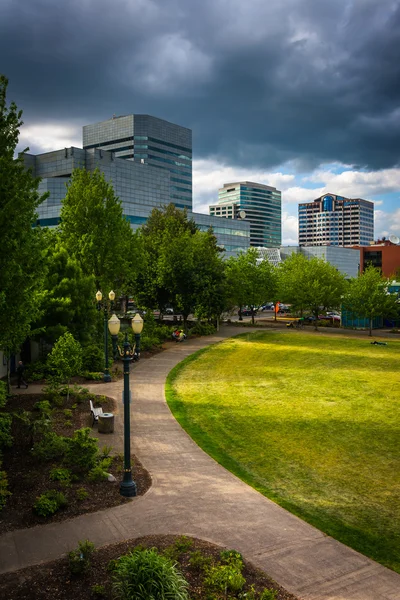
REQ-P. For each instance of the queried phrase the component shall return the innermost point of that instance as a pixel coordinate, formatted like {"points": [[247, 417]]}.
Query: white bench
{"points": [[96, 412]]}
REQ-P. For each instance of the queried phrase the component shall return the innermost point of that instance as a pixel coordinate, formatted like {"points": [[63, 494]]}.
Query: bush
{"points": [[93, 358], [52, 392], [144, 574], [37, 371], [81, 451], [49, 503], [268, 594], [197, 560], [93, 375], [52, 446], [202, 329], [4, 493], [3, 393], [81, 494], [99, 591], [97, 473], [5, 430], [79, 559], [60, 474], [223, 578], [43, 407]]}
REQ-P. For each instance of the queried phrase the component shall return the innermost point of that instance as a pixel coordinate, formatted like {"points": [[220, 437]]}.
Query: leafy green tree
{"points": [[21, 265], [164, 227], [368, 297], [311, 284], [250, 280], [67, 299], [65, 359], [94, 230]]}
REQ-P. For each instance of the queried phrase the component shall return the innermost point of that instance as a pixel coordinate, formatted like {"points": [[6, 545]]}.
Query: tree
{"points": [[163, 227], [21, 265], [311, 284], [67, 299], [65, 359], [250, 280], [368, 297], [94, 230]]}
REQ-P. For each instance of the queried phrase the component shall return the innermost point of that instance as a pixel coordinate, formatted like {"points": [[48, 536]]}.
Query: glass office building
{"points": [[259, 205], [148, 140]]}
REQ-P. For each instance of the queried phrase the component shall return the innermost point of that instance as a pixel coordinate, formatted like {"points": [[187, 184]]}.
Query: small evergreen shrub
{"points": [[60, 474], [51, 447], [5, 430], [79, 559], [81, 494], [81, 451], [97, 473], [93, 358], [49, 503], [93, 375], [202, 329], [4, 492], [44, 408], [3, 393], [99, 591], [144, 574], [199, 561]]}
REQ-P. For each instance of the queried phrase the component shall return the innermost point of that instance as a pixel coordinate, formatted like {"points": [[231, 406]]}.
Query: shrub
{"points": [[81, 494], [5, 430], [67, 413], [37, 371], [93, 375], [93, 358], [202, 329], [52, 446], [99, 591], [144, 574], [199, 561], [79, 559], [4, 493], [3, 393], [232, 557], [60, 474], [52, 391], [106, 451], [223, 578], [81, 451], [44, 408], [268, 594], [97, 473], [183, 544], [49, 503]]}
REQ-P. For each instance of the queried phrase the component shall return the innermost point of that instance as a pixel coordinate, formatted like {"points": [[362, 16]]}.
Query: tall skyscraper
{"points": [[259, 204], [336, 221], [148, 140]]}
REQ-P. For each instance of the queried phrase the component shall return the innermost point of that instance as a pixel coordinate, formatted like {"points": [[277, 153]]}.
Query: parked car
{"points": [[283, 309], [267, 306], [247, 312], [168, 311]]}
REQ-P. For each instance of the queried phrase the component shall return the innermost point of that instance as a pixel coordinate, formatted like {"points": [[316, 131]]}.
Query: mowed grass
{"points": [[311, 422]]}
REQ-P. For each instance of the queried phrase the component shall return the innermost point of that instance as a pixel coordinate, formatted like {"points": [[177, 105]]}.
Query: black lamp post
{"points": [[127, 486], [100, 305]]}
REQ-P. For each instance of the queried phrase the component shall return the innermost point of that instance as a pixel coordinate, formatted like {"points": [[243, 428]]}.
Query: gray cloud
{"points": [[260, 83]]}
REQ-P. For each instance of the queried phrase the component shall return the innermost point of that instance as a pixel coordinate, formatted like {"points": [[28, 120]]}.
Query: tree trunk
{"points": [[8, 376], [370, 327]]}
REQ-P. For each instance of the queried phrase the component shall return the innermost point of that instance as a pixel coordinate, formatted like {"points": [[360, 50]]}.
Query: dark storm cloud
{"points": [[259, 82]]}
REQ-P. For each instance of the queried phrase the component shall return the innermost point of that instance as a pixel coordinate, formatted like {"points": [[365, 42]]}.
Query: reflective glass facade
{"points": [[148, 140], [259, 205]]}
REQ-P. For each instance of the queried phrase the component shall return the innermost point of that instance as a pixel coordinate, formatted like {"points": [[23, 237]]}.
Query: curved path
{"points": [[193, 495]]}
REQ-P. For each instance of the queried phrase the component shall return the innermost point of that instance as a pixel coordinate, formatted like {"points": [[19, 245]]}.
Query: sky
{"points": [[303, 95]]}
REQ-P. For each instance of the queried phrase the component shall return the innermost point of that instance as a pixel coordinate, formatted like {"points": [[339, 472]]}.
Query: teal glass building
{"points": [[259, 205]]}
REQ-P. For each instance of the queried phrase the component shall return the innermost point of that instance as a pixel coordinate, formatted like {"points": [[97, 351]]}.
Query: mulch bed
{"points": [[29, 478], [53, 580]]}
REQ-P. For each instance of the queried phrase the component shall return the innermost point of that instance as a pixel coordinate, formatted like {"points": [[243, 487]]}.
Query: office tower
{"points": [[256, 203], [148, 140], [336, 221]]}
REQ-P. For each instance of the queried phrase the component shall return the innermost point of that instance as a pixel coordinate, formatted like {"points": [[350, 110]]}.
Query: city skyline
{"points": [[302, 96]]}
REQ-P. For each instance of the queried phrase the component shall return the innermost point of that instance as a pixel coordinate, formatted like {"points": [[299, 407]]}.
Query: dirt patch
{"points": [[53, 580], [29, 477]]}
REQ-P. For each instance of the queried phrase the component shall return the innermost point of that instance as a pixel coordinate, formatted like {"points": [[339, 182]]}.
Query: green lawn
{"points": [[311, 422]]}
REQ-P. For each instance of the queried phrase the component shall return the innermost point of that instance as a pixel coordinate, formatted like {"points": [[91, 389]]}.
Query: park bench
{"points": [[96, 412]]}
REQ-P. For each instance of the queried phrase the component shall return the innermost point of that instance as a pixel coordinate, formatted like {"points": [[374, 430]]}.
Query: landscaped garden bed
{"points": [[210, 571], [54, 458], [311, 421]]}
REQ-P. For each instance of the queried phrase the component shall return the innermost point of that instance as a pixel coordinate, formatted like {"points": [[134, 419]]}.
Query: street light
{"points": [[127, 486], [100, 305]]}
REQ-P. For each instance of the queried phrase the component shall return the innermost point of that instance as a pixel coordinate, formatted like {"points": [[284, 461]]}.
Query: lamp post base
{"points": [[128, 489], [107, 377]]}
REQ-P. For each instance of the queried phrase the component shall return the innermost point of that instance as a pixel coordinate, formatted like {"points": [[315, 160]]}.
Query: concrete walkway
{"points": [[193, 495]]}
